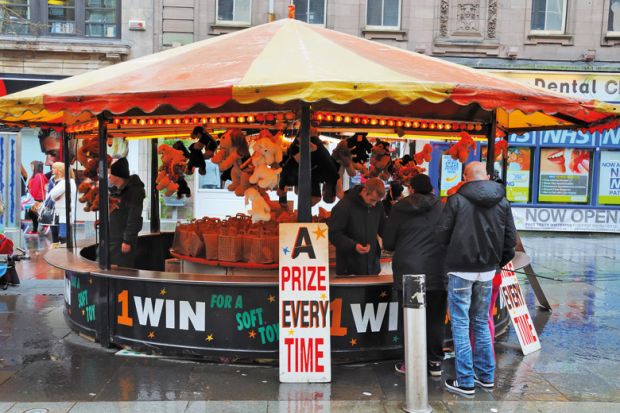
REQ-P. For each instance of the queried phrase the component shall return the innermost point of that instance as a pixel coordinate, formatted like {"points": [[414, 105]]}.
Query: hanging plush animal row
{"points": [[170, 176]]}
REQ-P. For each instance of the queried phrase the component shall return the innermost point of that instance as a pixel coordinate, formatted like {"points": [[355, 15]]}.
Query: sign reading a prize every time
{"points": [[305, 347]]}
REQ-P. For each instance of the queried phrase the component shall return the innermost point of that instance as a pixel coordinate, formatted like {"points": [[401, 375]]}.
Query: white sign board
{"points": [[567, 219], [305, 347], [517, 309]]}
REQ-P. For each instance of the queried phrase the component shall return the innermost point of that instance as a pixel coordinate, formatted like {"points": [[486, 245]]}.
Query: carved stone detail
{"points": [[443, 18], [468, 16], [492, 20]]}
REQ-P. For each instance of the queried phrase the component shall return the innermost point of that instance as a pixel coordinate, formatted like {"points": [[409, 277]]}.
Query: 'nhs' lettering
{"points": [[611, 137], [563, 137]]}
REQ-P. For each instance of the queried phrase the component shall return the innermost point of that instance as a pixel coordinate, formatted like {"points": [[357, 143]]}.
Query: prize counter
{"points": [[226, 314]]}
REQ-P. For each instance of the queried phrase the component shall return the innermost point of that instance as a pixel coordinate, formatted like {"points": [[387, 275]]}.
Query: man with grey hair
{"points": [[479, 233]]}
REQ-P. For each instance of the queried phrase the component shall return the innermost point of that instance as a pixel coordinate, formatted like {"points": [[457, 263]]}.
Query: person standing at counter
{"points": [[478, 229], [355, 225], [410, 233], [126, 221]]}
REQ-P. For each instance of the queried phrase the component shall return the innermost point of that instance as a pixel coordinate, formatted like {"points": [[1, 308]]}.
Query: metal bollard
{"points": [[414, 303]]}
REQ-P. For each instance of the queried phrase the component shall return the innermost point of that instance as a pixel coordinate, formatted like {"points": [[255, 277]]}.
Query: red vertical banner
{"points": [[305, 347]]}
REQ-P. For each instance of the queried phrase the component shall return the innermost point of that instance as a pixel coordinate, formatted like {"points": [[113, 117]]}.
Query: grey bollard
{"points": [[416, 384]]}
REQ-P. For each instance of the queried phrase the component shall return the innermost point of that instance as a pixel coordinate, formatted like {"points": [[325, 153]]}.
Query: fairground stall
{"points": [[275, 86]]}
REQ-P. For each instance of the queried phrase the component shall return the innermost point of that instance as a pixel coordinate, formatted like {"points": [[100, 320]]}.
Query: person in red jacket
{"points": [[36, 186]]}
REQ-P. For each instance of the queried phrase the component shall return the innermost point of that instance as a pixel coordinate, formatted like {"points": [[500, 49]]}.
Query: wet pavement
{"points": [[44, 365]]}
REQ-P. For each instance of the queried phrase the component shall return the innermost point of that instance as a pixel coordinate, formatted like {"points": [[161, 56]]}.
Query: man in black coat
{"points": [[478, 229], [126, 221], [355, 224], [410, 233]]}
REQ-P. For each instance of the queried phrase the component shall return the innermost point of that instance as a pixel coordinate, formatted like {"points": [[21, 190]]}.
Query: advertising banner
{"points": [[609, 178], [519, 314], [451, 172], [305, 347], [567, 219], [564, 175], [518, 174]]}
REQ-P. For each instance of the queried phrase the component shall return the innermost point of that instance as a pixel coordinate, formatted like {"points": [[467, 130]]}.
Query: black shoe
{"points": [[453, 386], [434, 368], [484, 384]]}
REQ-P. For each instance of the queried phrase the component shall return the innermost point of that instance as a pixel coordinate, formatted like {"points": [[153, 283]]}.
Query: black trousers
{"points": [[34, 218]]}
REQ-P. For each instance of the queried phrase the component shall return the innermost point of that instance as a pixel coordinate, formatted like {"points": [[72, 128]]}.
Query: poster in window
{"points": [[518, 174], [609, 178], [497, 165], [564, 175], [451, 172]]}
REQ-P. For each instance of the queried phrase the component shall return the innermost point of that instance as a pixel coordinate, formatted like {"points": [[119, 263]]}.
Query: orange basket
{"points": [[230, 244]]}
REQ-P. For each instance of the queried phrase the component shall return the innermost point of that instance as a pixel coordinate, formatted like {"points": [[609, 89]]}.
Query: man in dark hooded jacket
{"points": [[410, 233], [354, 226], [126, 221], [478, 229]]}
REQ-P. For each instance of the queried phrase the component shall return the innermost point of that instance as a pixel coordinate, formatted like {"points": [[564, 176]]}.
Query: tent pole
{"points": [[155, 219], [68, 212], [104, 225], [304, 199], [491, 145]]}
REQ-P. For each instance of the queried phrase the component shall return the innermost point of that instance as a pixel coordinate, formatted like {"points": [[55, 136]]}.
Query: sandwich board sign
{"points": [[519, 314], [305, 347]]}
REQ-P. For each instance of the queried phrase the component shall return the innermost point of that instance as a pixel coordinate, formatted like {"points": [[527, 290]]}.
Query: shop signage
{"points": [[604, 87], [610, 138], [517, 309], [609, 178], [567, 138], [566, 219], [528, 138], [304, 322], [450, 174]]}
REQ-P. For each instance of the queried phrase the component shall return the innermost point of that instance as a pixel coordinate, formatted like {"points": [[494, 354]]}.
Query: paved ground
{"points": [[44, 365]]}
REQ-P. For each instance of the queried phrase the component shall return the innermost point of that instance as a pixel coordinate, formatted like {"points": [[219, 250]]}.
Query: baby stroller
{"points": [[8, 274]]}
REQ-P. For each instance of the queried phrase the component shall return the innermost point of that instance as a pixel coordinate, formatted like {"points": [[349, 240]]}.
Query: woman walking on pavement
{"points": [[36, 187], [57, 195]]}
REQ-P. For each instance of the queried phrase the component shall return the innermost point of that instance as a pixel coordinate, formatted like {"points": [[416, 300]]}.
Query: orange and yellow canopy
{"points": [[287, 62]]}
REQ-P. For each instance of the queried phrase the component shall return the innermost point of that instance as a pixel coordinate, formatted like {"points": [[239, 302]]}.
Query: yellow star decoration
{"points": [[353, 342], [271, 298], [83, 312], [291, 332], [320, 232], [383, 294], [151, 334], [163, 291], [323, 296], [209, 338], [252, 334]]}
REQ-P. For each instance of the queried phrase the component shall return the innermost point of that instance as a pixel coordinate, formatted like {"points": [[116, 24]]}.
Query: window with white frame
{"points": [[234, 11], [15, 17], [310, 11], [549, 16], [383, 13], [613, 23]]}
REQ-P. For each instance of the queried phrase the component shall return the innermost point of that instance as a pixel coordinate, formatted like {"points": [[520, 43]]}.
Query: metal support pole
{"points": [[155, 222], [66, 154], [491, 146], [414, 303], [304, 199], [104, 219]]}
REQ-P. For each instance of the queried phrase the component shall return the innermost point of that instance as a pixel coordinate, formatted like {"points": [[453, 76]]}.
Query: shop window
{"points": [[564, 175], [609, 178], [383, 14], [310, 11], [613, 20], [548, 16], [518, 174], [234, 11], [88, 18]]}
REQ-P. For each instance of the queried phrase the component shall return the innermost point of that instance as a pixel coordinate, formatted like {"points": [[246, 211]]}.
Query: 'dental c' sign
{"points": [[305, 346]]}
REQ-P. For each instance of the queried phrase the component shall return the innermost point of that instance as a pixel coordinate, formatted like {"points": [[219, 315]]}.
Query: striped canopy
{"points": [[287, 62]]}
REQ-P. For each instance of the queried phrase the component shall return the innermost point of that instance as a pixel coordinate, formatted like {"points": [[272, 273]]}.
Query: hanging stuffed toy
{"points": [[380, 161], [260, 210], [360, 150], [501, 147], [171, 171], [424, 155], [200, 150], [266, 160], [460, 150], [342, 159]]}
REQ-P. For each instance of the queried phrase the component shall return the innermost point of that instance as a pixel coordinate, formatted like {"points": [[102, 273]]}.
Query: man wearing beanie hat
{"points": [[126, 221], [410, 233]]}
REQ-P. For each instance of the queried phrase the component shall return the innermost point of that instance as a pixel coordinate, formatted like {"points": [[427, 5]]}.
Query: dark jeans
{"points": [[54, 229]]}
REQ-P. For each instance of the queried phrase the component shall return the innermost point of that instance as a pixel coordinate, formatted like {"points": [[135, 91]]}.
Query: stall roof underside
{"points": [[288, 62]]}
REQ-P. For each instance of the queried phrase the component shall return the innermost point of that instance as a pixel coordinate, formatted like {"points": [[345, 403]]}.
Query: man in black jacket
{"points": [[126, 221], [354, 226], [479, 231], [409, 232]]}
